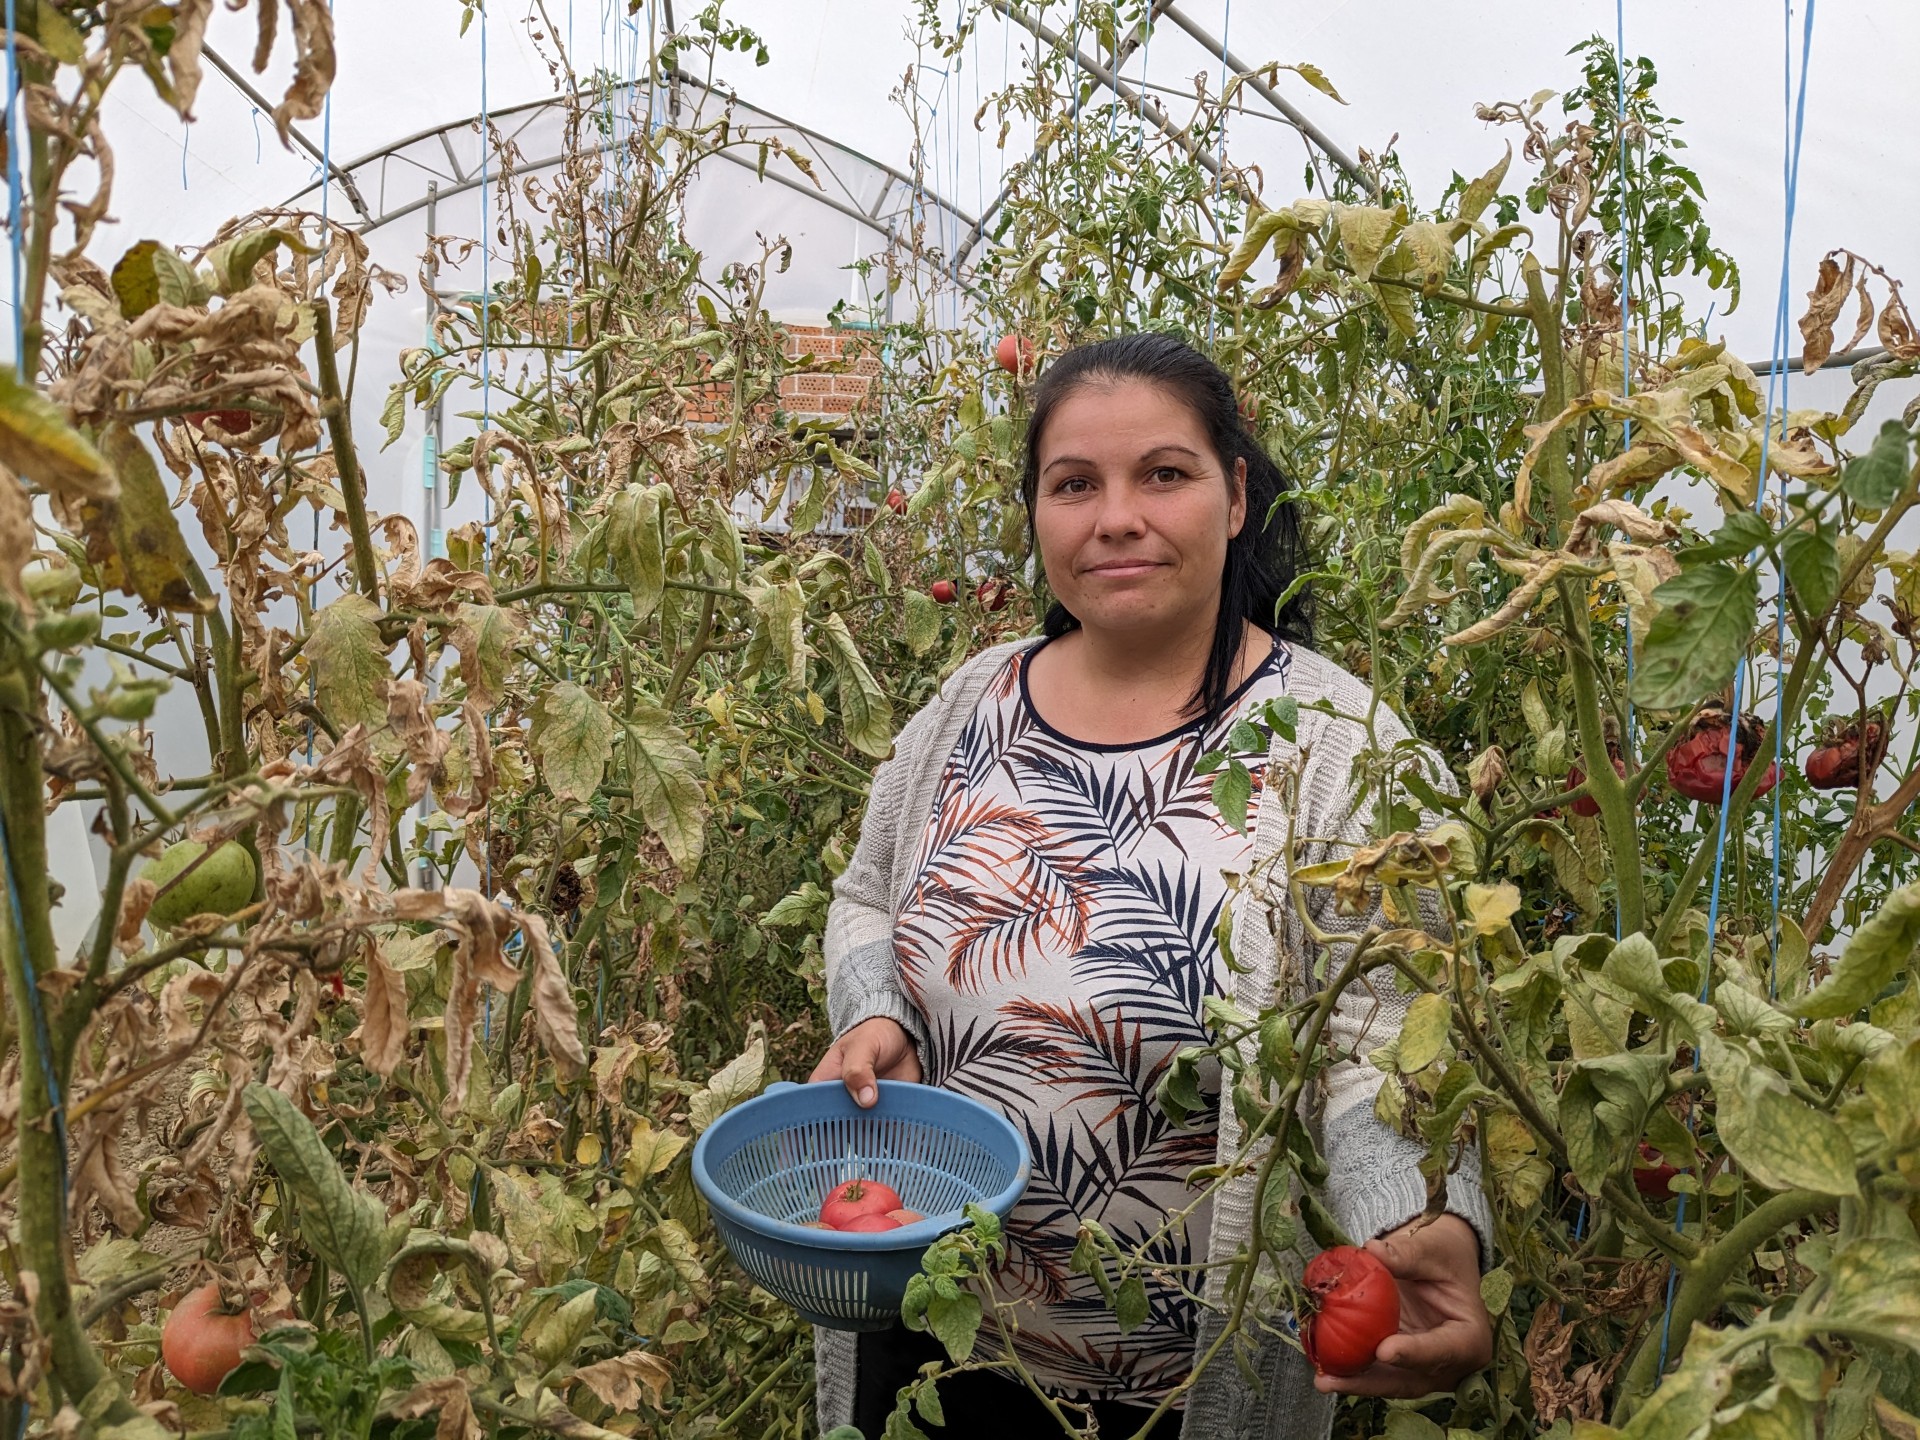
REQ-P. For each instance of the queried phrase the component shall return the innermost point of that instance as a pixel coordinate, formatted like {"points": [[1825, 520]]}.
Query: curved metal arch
{"points": [[439, 168]]}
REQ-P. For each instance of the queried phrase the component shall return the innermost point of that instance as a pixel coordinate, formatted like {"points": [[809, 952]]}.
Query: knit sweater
{"points": [[1375, 1184]]}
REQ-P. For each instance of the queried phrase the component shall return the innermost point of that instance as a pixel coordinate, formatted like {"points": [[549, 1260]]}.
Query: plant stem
{"points": [[353, 485]]}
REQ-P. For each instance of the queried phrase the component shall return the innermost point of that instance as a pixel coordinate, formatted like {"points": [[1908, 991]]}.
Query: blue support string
{"points": [[486, 383], [1628, 745], [1798, 116]]}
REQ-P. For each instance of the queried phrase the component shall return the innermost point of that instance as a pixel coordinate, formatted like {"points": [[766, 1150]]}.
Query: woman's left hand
{"points": [[1445, 1331]]}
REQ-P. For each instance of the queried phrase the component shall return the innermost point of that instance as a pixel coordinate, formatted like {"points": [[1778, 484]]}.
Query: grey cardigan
{"points": [[1375, 1183]]}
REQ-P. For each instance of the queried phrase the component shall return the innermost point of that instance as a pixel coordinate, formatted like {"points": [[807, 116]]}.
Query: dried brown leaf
{"points": [[448, 1396], [383, 1033], [556, 1019], [1829, 293], [313, 64], [617, 1382]]}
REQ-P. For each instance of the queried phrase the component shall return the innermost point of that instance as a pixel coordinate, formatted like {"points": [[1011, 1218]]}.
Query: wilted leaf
{"points": [[343, 1225], [446, 1398], [1830, 291], [38, 444], [667, 784], [1876, 1283], [636, 543], [134, 282], [1491, 907], [1260, 231], [1365, 233], [1700, 633], [349, 662], [919, 621], [152, 558], [572, 738], [865, 712], [1480, 193]]}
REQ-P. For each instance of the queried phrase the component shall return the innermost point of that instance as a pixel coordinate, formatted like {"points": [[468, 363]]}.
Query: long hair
{"points": [[1270, 550]]}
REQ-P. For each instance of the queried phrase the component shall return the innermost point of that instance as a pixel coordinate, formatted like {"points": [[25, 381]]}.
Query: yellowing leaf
{"points": [[1480, 193], [737, 1080], [38, 444], [556, 1019], [1492, 907], [572, 739], [349, 662], [1423, 1034], [666, 776], [1365, 233], [485, 636], [636, 543], [383, 1031], [617, 1382], [865, 712], [152, 554]]}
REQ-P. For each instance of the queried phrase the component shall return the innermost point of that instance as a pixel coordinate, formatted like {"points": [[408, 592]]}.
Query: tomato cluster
{"points": [[858, 1206], [1353, 1303]]}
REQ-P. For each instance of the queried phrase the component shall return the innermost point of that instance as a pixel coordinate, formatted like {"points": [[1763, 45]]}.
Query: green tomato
{"points": [[219, 885], [54, 586]]}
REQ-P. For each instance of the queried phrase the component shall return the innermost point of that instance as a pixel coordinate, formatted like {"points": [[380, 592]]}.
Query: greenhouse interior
{"points": [[872, 718]]}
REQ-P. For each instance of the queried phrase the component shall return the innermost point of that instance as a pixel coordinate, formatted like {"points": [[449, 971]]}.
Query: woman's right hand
{"points": [[876, 1049]]}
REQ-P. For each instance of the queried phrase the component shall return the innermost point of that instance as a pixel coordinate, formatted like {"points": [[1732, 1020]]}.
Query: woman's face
{"points": [[1133, 510]]}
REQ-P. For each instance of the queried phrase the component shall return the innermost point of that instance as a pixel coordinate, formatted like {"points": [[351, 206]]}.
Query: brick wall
{"points": [[842, 391]]}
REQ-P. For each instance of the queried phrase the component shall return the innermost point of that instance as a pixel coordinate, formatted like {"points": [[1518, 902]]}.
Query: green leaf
{"points": [[572, 738], [1776, 1413], [1603, 1106], [1684, 1402], [233, 262], [38, 444], [1813, 567], [1741, 534], [667, 784], [178, 283], [1701, 631], [1130, 1304], [349, 662], [1423, 1034], [1780, 1140], [955, 1323], [1232, 793], [343, 1225], [1877, 477], [865, 712], [1878, 950]]}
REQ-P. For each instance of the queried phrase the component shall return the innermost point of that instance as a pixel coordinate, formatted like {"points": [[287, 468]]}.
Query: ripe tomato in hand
{"points": [[200, 1344], [1355, 1305], [853, 1199]]}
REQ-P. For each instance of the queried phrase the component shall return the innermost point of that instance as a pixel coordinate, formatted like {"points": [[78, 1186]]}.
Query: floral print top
{"points": [[1059, 941]]}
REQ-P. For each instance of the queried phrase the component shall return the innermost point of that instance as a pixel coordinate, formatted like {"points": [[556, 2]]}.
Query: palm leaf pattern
{"points": [[1058, 939]]}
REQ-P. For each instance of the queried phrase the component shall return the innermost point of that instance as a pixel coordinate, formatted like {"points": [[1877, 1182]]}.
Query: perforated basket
{"points": [[765, 1166]]}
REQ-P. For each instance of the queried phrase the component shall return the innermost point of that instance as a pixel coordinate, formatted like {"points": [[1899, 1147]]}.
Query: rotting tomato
{"points": [[1697, 766], [1847, 750], [852, 1199], [201, 1342], [993, 594], [1354, 1304]]}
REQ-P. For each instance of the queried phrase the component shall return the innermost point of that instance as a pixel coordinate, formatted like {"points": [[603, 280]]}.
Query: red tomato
{"points": [[993, 594], [897, 501], [904, 1217], [861, 1224], [1697, 766], [200, 1343], [1652, 1176], [1015, 353], [849, 1201], [1355, 1304], [943, 591], [1845, 751], [1586, 805]]}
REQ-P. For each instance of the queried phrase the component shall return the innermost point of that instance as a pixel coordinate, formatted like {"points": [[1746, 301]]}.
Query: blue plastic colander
{"points": [[765, 1166]]}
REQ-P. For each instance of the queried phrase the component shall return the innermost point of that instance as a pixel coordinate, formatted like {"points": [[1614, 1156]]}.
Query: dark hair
{"points": [[1270, 550]]}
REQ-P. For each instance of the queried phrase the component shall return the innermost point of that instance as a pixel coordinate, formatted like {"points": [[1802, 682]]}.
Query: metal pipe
{"points": [[1273, 97], [1832, 362], [241, 84]]}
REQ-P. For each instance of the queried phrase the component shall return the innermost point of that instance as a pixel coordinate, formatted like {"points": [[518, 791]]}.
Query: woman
{"points": [[1030, 916]]}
